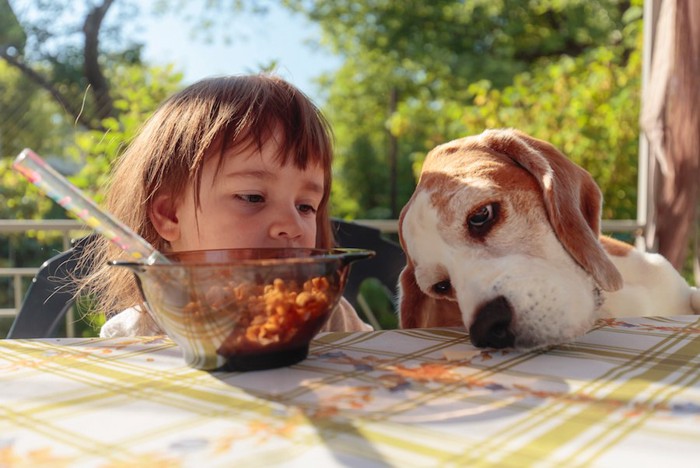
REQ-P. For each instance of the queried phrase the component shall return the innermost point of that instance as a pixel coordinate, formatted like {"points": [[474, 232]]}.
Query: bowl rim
{"points": [[345, 255]]}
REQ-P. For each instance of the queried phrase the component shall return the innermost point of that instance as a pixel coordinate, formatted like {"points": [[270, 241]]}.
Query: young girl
{"points": [[230, 162]]}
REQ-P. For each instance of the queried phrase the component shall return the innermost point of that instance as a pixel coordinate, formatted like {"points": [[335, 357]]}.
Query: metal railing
{"points": [[66, 228], [70, 229], [391, 226]]}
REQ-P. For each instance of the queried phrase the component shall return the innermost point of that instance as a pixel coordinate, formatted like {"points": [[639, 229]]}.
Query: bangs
{"points": [[216, 115], [276, 109]]}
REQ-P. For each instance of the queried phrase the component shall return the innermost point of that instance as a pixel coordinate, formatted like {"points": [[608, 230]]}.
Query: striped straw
{"points": [[53, 184]]}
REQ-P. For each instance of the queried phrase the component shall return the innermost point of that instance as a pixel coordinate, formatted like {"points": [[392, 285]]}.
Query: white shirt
{"points": [[135, 322]]}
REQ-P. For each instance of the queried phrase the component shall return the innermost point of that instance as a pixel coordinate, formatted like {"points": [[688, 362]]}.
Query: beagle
{"points": [[502, 236]]}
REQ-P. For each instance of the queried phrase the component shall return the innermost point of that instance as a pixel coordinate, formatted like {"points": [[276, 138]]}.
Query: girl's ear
{"points": [[164, 217]]}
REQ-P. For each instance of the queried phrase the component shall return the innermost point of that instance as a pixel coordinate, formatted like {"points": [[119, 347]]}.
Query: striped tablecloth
{"points": [[626, 394]]}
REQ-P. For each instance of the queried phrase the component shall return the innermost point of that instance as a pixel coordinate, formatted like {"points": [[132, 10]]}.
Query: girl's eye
{"points": [[251, 198], [306, 209]]}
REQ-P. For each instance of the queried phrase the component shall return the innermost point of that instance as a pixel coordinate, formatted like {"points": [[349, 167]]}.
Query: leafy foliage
{"points": [[563, 70], [29, 117], [588, 107], [138, 91]]}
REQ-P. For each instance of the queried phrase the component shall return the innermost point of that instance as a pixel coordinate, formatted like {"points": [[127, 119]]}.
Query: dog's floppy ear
{"points": [[418, 310], [411, 299], [572, 199]]}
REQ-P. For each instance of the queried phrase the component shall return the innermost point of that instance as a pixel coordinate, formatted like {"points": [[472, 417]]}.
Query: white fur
{"points": [[553, 299], [652, 287]]}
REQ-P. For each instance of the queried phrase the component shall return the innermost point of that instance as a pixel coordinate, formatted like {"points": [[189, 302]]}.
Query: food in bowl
{"points": [[244, 309], [270, 314]]}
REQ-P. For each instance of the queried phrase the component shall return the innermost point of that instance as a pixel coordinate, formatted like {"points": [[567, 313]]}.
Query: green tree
{"points": [[63, 54], [138, 90], [80, 66], [587, 106], [415, 72], [29, 117], [67, 47]]}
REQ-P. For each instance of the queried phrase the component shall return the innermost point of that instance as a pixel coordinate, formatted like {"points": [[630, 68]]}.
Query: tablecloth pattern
{"points": [[626, 394]]}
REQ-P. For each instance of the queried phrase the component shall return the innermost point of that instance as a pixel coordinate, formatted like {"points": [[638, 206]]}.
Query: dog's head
{"points": [[502, 235]]}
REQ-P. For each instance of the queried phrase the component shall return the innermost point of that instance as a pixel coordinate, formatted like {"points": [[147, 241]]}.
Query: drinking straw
{"points": [[53, 184]]}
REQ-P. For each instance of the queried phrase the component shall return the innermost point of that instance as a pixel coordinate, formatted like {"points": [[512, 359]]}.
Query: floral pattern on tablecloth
{"points": [[426, 377], [423, 397]]}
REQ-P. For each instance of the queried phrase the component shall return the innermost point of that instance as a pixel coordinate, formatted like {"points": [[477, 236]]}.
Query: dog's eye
{"points": [[481, 216], [442, 288], [481, 220]]}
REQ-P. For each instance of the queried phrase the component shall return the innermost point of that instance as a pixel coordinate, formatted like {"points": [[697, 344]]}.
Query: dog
{"points": [[502, 236]]}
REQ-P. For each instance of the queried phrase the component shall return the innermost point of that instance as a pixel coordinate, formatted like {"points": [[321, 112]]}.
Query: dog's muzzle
{"points": [[491, 326]]}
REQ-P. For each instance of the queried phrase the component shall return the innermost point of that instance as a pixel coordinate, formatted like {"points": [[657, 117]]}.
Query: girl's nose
{"points": [[286, 226]]}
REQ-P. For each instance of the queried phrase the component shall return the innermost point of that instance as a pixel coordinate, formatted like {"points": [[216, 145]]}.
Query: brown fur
{"points": [[540, 250], [615, 247], [571, 198], [437, 313]]}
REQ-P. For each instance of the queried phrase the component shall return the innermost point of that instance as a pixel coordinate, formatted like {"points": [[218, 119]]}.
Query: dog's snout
{"points": [[491, 327]]}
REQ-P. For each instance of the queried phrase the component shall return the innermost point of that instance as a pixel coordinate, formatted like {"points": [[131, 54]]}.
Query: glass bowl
{"points": [[244, 309]]}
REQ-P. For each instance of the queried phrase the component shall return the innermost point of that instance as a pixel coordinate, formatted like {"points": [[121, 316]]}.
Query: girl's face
{"points": [[251, 202]]}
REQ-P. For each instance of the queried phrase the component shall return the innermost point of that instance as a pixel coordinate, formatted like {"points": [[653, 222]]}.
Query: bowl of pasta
{"points": [[244, 309]]}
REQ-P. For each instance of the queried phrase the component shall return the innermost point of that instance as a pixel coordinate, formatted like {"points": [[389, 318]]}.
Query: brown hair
{"points": [[201, 121]]}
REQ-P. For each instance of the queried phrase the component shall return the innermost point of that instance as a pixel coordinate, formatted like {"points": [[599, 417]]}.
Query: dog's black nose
{"points": [[490, 328]]}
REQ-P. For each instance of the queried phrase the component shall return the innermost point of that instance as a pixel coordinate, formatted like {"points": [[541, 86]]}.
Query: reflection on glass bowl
{"points": [[244, 309]]}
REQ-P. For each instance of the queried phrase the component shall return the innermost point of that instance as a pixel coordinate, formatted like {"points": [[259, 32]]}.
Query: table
{"points": [[626, 394]]}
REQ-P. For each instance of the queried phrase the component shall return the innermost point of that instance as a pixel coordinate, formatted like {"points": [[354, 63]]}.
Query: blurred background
{"points": [[395, 79]]}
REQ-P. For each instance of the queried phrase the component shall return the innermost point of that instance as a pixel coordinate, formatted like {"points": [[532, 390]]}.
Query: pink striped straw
{"points": [[53, 184]]}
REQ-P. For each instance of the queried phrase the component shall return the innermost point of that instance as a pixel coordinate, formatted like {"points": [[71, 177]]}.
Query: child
{"points": [[230, 162]]}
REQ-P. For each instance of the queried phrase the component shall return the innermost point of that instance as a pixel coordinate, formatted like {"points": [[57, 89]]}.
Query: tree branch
{"points": [[37, 78], [104, 106]]}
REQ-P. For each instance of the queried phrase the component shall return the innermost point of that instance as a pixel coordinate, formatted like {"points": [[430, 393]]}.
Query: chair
{"points": [[50, 296], [385, 266]]}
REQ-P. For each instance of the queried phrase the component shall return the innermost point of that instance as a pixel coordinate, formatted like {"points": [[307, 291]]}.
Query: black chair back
{"points": [[50, 295], [385, 266]]}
